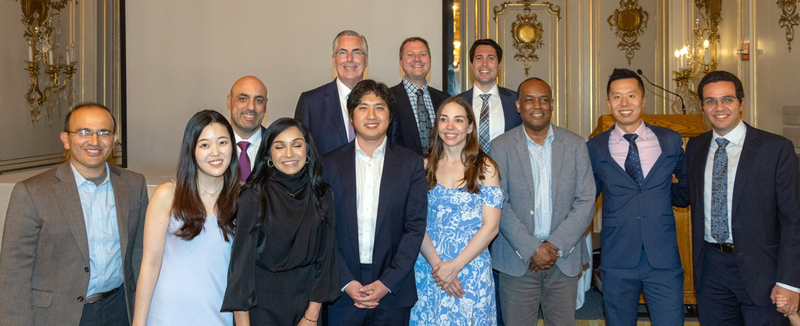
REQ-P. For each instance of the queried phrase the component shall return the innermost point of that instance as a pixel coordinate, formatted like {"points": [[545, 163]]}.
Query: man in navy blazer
{"points": [[500, 113], [381, 205], [323, 109], [411, 124], [247, 103], [633, 165], [745, 228]]}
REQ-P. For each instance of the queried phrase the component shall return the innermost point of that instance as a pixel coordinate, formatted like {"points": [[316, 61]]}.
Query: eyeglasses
{"points": [[86, 133], [355, 52], [711, 102]]}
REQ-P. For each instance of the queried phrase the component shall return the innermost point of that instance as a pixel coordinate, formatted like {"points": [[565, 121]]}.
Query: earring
{"points": [[269, 163], [306, 159]]}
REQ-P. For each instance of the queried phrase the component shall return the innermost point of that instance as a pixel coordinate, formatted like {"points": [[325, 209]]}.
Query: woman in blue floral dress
{"points": [[454, 272]]}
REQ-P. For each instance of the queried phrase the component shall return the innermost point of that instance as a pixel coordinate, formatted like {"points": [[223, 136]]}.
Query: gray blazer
{"points": [[573, 193], [44, 262]]}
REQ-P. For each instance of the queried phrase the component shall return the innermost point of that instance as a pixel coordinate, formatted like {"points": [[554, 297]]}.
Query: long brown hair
{"points": [[187, 206], [475, 159]]}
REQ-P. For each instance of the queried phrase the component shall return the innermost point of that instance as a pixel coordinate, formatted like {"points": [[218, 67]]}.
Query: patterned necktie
{"points": [[633, 165], [244, 160], [483, 130], [424, 120], [719, 193]]}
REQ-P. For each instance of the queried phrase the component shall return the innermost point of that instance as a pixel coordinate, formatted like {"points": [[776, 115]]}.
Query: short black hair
{"points": [[622, 73], [530, 79], [414, 39], [720, 76], [489, 42], [369, 86], [86, 105]]}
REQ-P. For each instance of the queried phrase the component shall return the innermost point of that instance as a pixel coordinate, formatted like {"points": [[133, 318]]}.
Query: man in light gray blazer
{"points": [[73, 234], [549, 193]]}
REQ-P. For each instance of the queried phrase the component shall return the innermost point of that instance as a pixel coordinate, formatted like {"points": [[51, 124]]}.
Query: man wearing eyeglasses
{"points": [[323, 109], [743, 188], [73, 233]]}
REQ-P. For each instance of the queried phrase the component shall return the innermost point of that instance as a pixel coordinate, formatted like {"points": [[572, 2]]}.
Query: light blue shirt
{"points": [[102, 232], [542, 171]]}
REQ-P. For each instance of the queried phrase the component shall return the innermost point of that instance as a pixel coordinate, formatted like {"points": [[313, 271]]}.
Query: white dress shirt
{"points": [[252, 150], [343, 93], [368, 188], [497, 120]]}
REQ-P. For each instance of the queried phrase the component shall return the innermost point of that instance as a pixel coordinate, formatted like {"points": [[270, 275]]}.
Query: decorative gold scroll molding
{"points": [[630, 21], [503, 6], [789, 19], [527, 31], [713, 16]]}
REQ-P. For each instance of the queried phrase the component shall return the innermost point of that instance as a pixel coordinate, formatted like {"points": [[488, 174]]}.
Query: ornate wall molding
{"points": [[630, 21], [789, 19], [526, 31]]}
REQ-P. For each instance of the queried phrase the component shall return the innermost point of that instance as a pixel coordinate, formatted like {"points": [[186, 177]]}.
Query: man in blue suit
{"points": [[633, 165], [493, 105], [381, 205], [323, 109]]}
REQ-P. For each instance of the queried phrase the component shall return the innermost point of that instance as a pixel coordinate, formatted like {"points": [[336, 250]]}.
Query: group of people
{"points": [[405, 206]]}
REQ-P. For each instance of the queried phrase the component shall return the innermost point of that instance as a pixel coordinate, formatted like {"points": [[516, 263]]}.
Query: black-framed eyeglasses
{"points": [[86, 133]]}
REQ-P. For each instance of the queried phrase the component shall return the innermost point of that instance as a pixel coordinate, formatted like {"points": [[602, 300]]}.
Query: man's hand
{"points": [[353, 290], [544, 257], [371, 294], [787, 298]]}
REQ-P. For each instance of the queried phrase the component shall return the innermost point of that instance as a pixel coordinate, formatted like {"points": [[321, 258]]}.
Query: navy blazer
{"points": [[405, 131], [400, 226], [765, 216], [508, 98], [321, 111], [636, 218]]}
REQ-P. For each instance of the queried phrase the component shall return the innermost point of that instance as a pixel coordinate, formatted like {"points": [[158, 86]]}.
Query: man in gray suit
{"points": [[549, 193], [73, 234]]}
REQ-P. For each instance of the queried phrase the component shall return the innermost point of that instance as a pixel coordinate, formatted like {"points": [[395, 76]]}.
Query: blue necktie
{"points": [[633, 165], [424, 120], [719, 193], [483, 127]]}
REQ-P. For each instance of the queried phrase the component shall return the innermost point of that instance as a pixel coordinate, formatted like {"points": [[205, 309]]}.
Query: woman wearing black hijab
{"points": [[283, 262]]}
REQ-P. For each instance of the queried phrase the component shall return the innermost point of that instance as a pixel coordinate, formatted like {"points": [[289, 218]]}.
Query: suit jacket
{"points": [[321, 111], [573, 193], [765, 216], [405, 131], [44, 264], [508, 98], [636, 218], [400, 226]]}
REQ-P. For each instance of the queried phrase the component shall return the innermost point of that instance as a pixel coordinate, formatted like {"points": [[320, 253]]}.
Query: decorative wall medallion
{"points": [[526, 31], [630, 21], [789, 19]]}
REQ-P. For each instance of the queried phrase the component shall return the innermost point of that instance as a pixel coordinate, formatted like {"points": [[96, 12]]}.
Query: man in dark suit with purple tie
{"points": [[323, 109]]}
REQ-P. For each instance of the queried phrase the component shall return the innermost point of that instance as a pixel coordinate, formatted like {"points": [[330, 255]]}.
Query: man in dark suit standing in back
{"points": [[493, 105], [323, 109], [416, 101], [381, 208], [247, 104], [744, 189]]}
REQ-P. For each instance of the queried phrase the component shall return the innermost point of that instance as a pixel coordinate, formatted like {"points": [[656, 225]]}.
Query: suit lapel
{"points": [[121, 203], [605, 154], [70, 202], [662, 142], [743, 170], [509, 108], [521, 144], [347, 171], [401, 97], [557, 159], [390, 166], [335, 110], [704, 144]]}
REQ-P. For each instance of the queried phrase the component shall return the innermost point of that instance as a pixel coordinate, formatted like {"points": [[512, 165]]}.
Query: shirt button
{"points": [[98, 247], [531, 212], [640, 191], [80, 299]]}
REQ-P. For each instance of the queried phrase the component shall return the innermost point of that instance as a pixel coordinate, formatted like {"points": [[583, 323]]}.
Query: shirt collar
{"points": [[550, 136], [476, 92], [735, 136], [641, 132], [255, 139], [413, 88], [79, 179], [343, 89], [378, 151]]}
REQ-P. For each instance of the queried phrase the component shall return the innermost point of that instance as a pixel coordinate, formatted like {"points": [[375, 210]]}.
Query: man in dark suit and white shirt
{"points": [[381, 209], [744, 189], [416, 101], [493, 105], [247, 104], [72, 239], [324, 108]]}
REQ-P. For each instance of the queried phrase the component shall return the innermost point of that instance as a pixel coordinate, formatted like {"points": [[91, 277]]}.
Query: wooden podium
{"points": [[688, 126]]}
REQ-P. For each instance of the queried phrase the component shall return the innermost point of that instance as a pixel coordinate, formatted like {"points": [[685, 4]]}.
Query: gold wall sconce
{"points": [[630, 21], [789, 19], [43, 33], [698, 56]]}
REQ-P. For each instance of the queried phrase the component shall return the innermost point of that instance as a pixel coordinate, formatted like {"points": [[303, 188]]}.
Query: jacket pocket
{"points": [[41, 299]]}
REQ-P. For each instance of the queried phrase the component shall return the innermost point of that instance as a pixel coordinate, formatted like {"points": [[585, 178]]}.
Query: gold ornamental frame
{"points": [[630, 21], [527, 32], [789, 19]]}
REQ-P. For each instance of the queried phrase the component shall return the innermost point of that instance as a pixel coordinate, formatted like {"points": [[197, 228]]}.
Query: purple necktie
{"points": [[244, 160]]}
